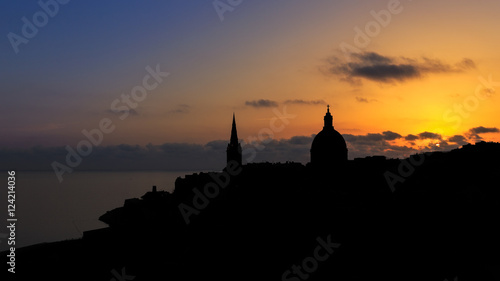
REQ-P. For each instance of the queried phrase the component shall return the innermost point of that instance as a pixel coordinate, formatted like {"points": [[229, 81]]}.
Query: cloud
{"points": [[261, 103], [411, 137], [366, 139], [371, 138], [466, 64], [429, 135], [217, 144], [305, 102], [376, 144], [365, 100], [131, 111], [375, 67], [128, 148], [483, 130], [385, 72], [473, 133], [301, 140], [181, 108], [458, 139], [388, 135]]}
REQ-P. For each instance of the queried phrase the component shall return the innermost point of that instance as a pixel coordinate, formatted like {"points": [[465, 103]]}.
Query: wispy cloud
{"points": [[261, 103], [365, 100], [305, 102], [180, 109], [130, 111]]}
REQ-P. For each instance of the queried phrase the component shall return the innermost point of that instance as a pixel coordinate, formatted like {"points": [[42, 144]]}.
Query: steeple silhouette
{"points": [[328, 119], [234, 132], [233, 151]]}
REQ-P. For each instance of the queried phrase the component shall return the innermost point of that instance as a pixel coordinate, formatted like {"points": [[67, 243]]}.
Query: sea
{"points": [[48, 211]]}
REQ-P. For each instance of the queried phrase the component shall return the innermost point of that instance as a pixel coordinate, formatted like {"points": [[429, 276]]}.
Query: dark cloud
{"points": [[375, 67], [129, 148], [373, 58], [305, 102], [483, 130], [217, 144], [473, 133], [366, 139], [295, 149], [411, 137], [372, 138], [385, 72], [301, 140], [441, 145], [458, 139], [377, 144], [388, 135], [261, 103], [429, 135]]}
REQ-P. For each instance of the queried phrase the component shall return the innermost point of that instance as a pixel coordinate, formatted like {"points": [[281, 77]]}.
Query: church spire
{"points": [[233, 151], [234, 133], [328, 118]]}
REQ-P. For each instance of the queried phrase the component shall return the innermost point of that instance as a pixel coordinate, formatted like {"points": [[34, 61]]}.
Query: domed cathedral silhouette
{"points": [[328, 149], [233, 151]]}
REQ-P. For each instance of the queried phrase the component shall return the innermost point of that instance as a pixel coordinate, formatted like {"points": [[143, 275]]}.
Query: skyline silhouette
{"points": [[336, 204]]}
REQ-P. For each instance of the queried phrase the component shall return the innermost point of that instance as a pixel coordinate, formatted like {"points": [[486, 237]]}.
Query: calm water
{"points": [[51, 211]]}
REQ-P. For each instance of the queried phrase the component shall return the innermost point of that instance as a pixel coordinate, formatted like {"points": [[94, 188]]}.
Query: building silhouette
{"points": [[328, 149], [233, 151]]}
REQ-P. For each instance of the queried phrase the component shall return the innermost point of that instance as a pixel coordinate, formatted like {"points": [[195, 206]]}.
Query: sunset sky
{"points": [[399, 76]]}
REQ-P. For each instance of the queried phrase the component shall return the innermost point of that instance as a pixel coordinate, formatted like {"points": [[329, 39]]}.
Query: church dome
{"points": [[328, 139], [328, 148]]}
